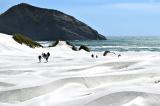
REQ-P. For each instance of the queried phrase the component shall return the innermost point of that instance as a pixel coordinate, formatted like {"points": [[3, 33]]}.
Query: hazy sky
{"points": [[109, 17]]}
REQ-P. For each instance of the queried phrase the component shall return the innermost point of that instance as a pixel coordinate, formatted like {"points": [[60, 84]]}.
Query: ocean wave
{"points": [[114, 45]]}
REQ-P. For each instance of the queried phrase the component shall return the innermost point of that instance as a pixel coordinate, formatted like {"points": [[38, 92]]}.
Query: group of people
{"points": [[44, 56], [47, 55], [96, 56]]}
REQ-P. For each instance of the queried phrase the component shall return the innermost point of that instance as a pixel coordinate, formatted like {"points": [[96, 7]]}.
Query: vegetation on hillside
{"points": [[67, 42], [54, 43], [73, 47], [25, 40], [84, 48]]}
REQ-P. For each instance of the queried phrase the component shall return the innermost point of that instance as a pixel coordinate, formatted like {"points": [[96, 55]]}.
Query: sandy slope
{"points": [[73, 78]]}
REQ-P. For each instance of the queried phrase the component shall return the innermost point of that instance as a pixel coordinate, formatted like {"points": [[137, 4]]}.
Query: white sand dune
{"points": [[73, 78]]}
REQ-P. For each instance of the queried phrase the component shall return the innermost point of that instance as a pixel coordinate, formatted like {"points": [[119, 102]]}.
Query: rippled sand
{"points": [[73, 78]]}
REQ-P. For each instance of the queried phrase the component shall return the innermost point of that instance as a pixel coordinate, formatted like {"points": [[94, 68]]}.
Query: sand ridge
{"points": [[73, 78]]}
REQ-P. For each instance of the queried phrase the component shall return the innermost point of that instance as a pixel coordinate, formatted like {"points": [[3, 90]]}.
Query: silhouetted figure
{"points": [[39, 57], [48, 54], [44, 56], [119, 55], [96, 56], [92, 56]]}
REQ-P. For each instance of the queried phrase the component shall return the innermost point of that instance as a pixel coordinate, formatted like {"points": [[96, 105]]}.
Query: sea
{"points": [[122, 44]]}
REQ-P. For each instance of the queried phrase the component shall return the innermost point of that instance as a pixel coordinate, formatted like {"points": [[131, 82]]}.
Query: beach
{"points": [[73, 78]]}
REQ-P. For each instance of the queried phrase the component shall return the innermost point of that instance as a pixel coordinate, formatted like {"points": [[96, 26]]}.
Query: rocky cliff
{"points": [[45, 24]]}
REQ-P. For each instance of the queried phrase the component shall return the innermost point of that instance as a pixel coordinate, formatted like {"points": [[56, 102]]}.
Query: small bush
{"points": [[84, 48], [67, 42], [54, 43], [73, 47], [25, 40], [106, 52], [158, 81]]}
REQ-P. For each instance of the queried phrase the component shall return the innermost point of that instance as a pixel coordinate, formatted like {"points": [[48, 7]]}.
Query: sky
{"points": [[108, 17]]}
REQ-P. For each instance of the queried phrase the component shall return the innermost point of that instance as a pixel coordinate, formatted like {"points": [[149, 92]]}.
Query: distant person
{"points": [[119, 55], [96, 56], [44, 56], [48, 54], [39, 57], [92, 56]]}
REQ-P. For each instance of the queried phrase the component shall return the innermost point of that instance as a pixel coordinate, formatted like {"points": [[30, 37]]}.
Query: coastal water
{"points": [[122, 44]]}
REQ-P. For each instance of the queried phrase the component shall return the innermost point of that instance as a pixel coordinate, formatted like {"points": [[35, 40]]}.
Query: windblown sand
{"points": [[73, 78]]}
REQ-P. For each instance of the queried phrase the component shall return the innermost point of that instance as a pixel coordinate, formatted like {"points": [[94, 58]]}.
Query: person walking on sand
{"points": [[92, 56], [96, 56], [39, 57], [44, 55], [119, 55], [48, 54]]}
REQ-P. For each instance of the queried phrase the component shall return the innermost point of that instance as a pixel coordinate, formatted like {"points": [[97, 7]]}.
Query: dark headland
{"points": [[45, 24]]}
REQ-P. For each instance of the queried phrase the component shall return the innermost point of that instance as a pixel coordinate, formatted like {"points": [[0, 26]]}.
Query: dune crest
{"points": [[73, 78]]}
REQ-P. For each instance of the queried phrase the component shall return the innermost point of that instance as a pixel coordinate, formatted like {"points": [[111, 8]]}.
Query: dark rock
{"points": [[84, 48], [45, 24]]}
